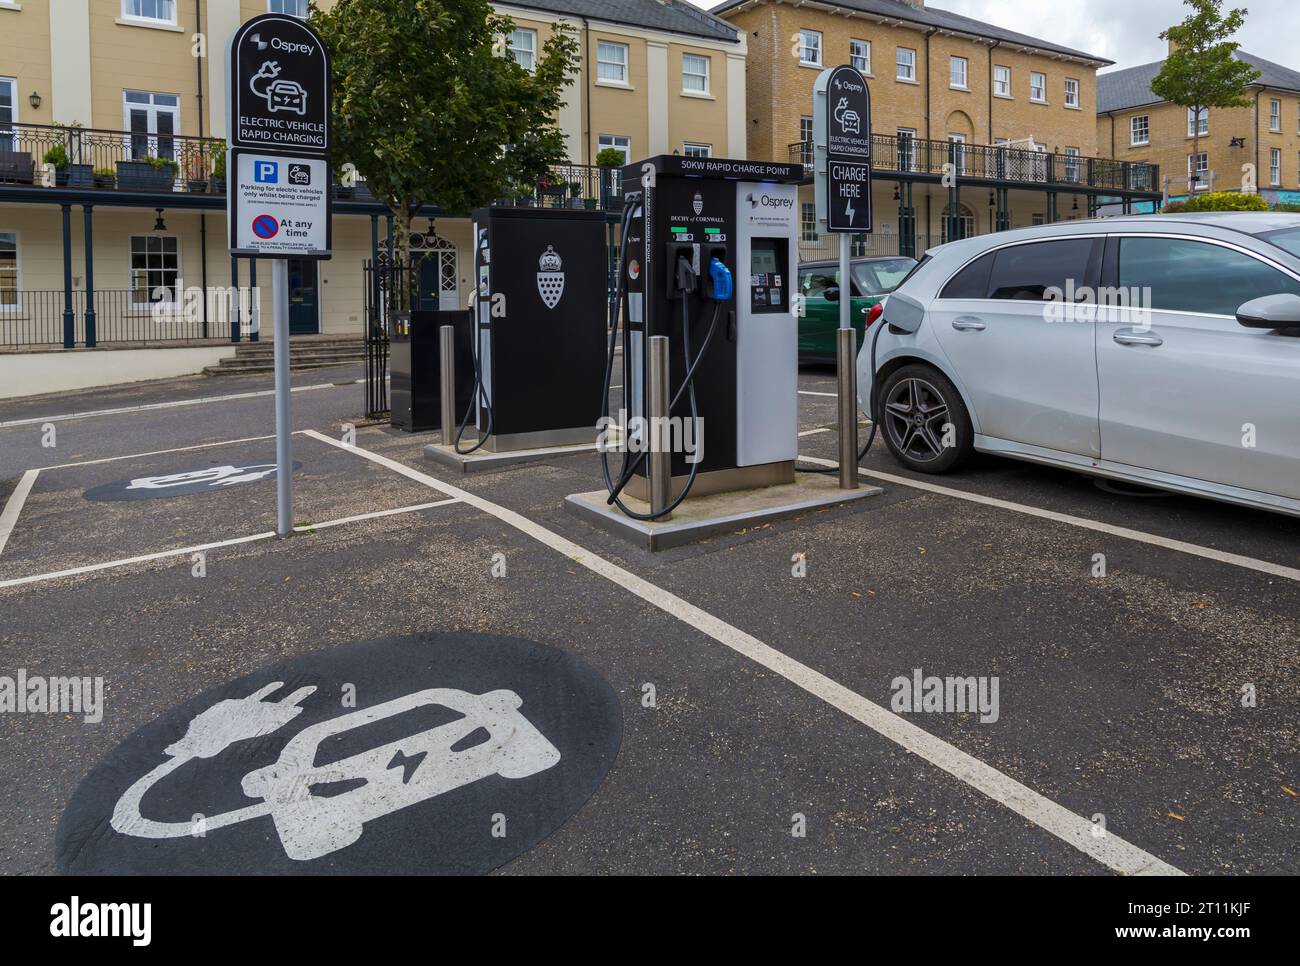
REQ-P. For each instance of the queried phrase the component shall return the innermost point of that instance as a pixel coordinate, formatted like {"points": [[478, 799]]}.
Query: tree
{"points": [[431, 110], [1201, 72]]}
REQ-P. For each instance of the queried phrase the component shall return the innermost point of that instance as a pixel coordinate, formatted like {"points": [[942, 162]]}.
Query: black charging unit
{"points": [[415, 393]]}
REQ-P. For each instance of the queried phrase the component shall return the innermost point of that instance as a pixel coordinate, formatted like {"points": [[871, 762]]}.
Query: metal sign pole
{"points": [[283, 419], [846, 359]]}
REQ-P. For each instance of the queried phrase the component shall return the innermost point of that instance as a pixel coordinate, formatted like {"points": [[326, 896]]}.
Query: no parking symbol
{"points": [[265, 226]]}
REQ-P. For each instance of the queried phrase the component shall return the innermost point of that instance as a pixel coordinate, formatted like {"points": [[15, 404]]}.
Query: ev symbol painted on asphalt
{"points": [[440, 734], [209, 479]]}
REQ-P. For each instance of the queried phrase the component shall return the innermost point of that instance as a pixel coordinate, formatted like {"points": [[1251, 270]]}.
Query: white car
{"points": [[1162, 350]]}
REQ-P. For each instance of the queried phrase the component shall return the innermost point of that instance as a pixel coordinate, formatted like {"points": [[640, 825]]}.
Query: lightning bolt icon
{"points": [[408, 763], [848, 210]]}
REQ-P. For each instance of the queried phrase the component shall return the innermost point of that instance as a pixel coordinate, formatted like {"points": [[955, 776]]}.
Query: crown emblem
{"points": [[550, 261]]}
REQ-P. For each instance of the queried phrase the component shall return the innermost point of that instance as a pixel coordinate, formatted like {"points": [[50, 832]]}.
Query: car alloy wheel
{"points": [[915, 414]]}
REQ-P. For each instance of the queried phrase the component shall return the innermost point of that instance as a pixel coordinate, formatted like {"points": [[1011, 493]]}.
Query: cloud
{"points": [[1125, 31]]}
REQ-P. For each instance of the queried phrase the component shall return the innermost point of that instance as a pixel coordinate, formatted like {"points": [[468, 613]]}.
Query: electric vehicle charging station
{"points": [[538, 334], [709, 259], [413, 363]]}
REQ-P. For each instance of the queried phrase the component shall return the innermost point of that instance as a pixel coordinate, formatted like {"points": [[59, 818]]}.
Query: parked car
{"points": [[1176, 364], [819, 284]]}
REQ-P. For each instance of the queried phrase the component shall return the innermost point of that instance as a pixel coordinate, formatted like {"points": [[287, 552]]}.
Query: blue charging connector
{"points": [[723, 284]]}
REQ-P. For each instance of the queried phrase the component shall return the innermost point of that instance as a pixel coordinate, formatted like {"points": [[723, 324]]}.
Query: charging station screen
{"points": [[767, 286]]}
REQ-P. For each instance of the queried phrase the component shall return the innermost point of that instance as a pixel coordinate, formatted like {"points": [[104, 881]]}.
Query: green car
{"points": [[819, 284]]}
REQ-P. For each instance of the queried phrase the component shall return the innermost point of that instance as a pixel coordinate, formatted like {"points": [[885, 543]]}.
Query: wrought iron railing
{"points": [[997, 162], [34, 317], [77, 157]]}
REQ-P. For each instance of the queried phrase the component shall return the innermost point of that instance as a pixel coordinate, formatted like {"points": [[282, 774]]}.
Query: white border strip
{"points": [[14, 506], [1154, 540], [1108, 848], [161, 452]]}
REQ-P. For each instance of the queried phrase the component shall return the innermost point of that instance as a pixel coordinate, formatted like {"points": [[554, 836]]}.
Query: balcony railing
{"points": [[998, 162], [91, 158]]}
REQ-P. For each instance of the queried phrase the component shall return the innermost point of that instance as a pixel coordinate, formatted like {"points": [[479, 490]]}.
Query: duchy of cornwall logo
{"points": [[550, 277]]}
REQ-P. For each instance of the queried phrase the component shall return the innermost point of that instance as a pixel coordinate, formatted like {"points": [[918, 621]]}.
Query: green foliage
{"points": [[1226, 201], [219, 161], [1174, 207], [57, 156], [1287, 207], [610, 158], [430, 111], [1202, 72], [160, 164]]}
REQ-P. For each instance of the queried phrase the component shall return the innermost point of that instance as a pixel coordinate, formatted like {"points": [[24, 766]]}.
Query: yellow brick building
{"points": [[1013, 114], [1259, 143], [114, 83]]}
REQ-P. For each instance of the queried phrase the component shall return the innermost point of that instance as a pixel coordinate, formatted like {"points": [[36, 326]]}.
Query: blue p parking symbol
{"points": [[266, 172]]}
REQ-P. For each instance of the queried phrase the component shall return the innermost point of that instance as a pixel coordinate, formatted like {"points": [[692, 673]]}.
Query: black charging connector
{"points": [[683, 261]]}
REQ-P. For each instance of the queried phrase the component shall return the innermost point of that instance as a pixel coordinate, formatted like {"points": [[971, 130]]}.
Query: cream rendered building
{"points": [[113, 83]]}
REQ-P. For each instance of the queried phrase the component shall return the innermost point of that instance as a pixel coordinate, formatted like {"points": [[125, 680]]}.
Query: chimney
{"points": [[915, 4], [1173, 45]]}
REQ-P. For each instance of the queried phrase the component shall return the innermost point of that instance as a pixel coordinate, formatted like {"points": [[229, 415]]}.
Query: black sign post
{"points": [[280, 197], [847, 137]]}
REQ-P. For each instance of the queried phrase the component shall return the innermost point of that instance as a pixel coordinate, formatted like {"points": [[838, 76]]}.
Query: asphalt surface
{"points": [[1120, 696]]}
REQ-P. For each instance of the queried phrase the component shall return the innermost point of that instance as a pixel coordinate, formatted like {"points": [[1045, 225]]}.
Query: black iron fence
{"points": [[997, 162], [36, 317]]}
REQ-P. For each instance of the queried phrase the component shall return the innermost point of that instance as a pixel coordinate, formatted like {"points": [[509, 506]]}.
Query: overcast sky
{"points": [[1126, 31]]}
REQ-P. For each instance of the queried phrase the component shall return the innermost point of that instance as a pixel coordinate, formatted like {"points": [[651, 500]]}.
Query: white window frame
{"points": [[810, 40], [17, 307], [128, 13], [1275, 115], [612, 138], [12, 83], [958, 73], [808, 235], [1194, 177], [1275, 166], [1001, 78], [862, 53], [961, 152], [301, 4], [1040, 86], [1133, 130], [516, 52], [701, 150], [175, 303], [1072, 93], [806, 132], [707, 75], [909, 65], [909, 133], [602, 46], [152, 110], [1192, 122]]}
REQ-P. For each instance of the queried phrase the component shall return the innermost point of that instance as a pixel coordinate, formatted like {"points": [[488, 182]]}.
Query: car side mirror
{"points": [[1272, 312], [831, 295]]}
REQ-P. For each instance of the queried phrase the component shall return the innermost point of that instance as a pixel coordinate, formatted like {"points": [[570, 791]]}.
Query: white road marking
{"points": [[161, 452], [1196, 550], [162, 554], [814, 432], [802, 392], [1108, 849], [14, 506], [173, 404]]}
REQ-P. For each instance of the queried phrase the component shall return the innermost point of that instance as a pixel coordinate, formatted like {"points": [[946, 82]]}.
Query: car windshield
{"points": [[882, 277], [1288, 239]]}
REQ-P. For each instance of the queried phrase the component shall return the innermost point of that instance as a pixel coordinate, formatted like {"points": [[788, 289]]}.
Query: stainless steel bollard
{"points": [[447, 382], [846, 357], [660, 458]]}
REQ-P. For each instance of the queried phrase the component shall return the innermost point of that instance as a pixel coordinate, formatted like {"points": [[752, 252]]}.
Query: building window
{"points": [[694, 150], [906, 61], [611, 62], [155, 267], [1073, 168], [294, 8], [907, 148], [1140, 130], [695, 74], [1002, 81], [152, 119], [1202, 169], [808, 222], [805, 128], [1275, 166], [1275, 115], [860, 55], [810, 48], [8, 270], [1038, 87], [522, 45], [8, 113], [618, 142], [1203, 128], [958, 151], [162, 11], [1071, 92], [957, 70], [1037, 218]]}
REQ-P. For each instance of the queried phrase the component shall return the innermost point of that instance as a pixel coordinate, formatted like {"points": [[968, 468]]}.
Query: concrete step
{"points": [[258, 367], [314, 353]]}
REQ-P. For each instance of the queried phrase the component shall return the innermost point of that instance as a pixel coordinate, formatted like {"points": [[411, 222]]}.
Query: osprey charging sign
{"points": [[842, 120], [279, 89]]}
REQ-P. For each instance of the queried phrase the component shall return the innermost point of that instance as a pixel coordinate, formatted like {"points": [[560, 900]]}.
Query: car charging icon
{"points": [[280, 95], [319, 809]]}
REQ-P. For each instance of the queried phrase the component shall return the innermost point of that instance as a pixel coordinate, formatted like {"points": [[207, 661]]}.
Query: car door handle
{"points": [[967, 323], [1131, 337]]}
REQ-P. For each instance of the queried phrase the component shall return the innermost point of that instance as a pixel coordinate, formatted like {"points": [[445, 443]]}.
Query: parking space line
{"points": [[161, 452], [199, 548], [1196, 550], [1108, 849], [814, 432], [172, 404], [809, 392], [14, 506]]}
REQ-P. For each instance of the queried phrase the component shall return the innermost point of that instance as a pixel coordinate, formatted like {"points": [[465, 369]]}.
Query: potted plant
{"points": [[105, 178], [575, 194], [58, 156], [609, 160], [218, 183], [523, 197], [147, 174]]}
